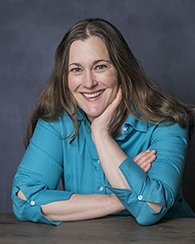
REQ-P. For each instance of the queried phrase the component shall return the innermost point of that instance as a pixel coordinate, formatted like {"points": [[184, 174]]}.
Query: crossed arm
{"points": [[80, 207]]}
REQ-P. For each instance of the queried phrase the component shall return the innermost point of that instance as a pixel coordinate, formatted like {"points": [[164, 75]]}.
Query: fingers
{"points": [[140, 155], [144, 155], [108, 112], [114, 104], [144, 159], [118, 98]]}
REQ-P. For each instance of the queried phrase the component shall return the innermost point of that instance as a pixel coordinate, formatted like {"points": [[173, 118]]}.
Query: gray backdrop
{"points": [[161, 34]]}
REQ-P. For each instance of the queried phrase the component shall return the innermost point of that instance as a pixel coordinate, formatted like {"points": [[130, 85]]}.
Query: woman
{"points": [[118, 142]]}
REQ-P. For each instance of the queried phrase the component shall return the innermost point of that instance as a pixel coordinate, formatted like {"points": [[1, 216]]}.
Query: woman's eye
{"points": [[76, 70], [102, 66]]}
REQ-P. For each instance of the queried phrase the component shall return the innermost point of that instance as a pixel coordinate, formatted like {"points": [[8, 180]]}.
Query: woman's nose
{"points": [[89, 80]]}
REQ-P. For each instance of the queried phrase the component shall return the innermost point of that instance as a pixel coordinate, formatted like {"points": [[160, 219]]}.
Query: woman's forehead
{"points": [[92, 47]]}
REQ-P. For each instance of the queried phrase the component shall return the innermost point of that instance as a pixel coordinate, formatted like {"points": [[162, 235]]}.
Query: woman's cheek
{"points": [[110, 80], [72, 83]]}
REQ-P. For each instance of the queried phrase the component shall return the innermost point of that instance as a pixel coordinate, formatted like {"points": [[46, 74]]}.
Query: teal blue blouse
{"points": [[50, 156]]}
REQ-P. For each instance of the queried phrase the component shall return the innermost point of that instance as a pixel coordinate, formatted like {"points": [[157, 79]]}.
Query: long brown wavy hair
{"points": [[141, 97]]}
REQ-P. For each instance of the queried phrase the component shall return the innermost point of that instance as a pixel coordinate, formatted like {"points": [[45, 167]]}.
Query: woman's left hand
{"points": [[100, 125], [145, 159]]}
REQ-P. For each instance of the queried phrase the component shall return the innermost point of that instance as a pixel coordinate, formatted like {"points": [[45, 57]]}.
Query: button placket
{"points": [[97, 165], [100, 177]]}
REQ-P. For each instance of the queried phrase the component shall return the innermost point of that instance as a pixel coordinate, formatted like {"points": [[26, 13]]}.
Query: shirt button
{"points": [[32, 203], [98, 161], [140, 197], [124, 129], [101, 188]]}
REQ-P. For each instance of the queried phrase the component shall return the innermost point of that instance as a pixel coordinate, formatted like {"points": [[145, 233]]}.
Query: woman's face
{"points": [[92, 78]]}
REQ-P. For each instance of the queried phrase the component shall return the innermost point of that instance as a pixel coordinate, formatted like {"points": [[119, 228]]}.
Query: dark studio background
{"points": [[161, 34]]}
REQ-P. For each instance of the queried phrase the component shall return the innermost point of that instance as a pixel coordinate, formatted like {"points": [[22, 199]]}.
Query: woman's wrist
{"points": [[118, 206], [100, 135]]}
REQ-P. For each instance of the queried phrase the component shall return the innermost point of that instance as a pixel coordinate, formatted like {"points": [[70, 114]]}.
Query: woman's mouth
{"points": [[92, 95]]}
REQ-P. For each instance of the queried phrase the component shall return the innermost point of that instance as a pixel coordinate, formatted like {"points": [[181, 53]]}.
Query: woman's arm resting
{"points": [[91, 206], [80, 207]]}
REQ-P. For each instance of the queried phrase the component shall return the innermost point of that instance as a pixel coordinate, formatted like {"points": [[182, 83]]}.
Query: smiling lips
{"points": [[90, 96]]}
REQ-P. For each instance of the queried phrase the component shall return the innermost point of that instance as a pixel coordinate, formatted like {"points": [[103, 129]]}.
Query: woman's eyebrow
{"points": [[101, 60], [76, 64], [94, 62]]}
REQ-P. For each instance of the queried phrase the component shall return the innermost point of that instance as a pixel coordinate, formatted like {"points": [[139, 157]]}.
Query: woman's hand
{"points": [[144, 159], [100, 125]]}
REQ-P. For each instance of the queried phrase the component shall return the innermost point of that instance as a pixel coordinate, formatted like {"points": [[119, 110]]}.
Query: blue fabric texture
{"points": [[50, 157]]}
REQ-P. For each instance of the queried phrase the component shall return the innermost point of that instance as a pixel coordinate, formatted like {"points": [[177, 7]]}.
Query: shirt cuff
{"points": [[142, 189], [133, 174], [30, 209]]}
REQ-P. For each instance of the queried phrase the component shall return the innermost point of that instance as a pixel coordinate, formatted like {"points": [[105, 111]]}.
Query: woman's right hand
{"points": [[144, 159]]}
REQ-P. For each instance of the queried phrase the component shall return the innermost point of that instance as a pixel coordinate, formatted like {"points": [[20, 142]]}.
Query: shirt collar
{"points": [[136, 124], [81, 114]]}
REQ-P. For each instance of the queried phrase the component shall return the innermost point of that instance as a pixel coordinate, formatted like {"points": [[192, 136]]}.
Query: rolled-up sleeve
{"points": [[39, 174], [161, 183]]}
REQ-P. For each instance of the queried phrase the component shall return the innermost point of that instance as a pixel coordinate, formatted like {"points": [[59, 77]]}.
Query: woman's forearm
{"points": [[111, 156], [81, 207]]}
